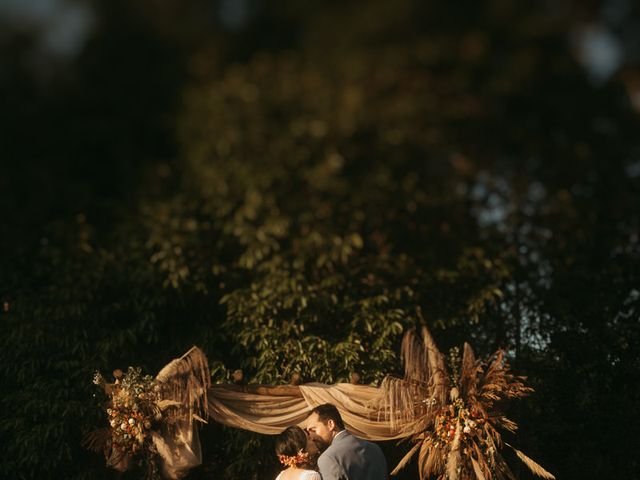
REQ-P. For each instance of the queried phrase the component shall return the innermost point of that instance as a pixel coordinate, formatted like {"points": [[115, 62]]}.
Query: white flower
{"points": [[132, 421], [454, 394], [97, 378], [466, 430], [123, 425], [112, 423]]}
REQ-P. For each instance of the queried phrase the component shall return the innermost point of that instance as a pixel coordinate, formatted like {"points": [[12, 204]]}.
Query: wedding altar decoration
{"points": [[151, 420], [453, 414]]}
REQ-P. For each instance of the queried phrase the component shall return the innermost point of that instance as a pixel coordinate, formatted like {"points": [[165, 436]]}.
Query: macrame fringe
{"points": [[185, 381]]}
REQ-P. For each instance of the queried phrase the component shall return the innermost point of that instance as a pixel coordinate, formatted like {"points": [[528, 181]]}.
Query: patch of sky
{"points": [[234, 14], [633, 169], [536, 192], [60, 27], [599, 51], [532, 333], [491, 194], [629, 308]]}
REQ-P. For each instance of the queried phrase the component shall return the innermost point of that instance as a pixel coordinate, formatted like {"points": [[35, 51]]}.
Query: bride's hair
{"points": [[290, 444], [291, 441]]}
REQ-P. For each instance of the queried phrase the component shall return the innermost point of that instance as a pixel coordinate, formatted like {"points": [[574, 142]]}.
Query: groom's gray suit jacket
{"points": [[350, 458]]}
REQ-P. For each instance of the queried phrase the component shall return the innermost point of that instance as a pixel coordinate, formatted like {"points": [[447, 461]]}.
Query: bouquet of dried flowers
{"points": [[132, 411], [452, 414]]}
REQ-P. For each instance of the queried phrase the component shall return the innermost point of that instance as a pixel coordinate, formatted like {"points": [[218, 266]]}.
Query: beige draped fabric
{"points": [[269, 410], [270, 413], [262, 413], [186, 391]]}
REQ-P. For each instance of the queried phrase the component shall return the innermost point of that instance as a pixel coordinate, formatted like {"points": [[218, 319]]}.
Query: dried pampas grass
{"points": [[535, 467], [453, 420]]}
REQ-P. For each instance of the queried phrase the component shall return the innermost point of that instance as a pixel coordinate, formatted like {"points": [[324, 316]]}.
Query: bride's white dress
{"points": [[304, 475]]}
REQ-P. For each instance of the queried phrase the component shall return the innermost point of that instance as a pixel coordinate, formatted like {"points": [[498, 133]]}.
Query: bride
{"points": [[297, 451]]}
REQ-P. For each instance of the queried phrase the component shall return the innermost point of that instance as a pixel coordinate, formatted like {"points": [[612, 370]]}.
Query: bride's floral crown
{"points": [[295, 460]]}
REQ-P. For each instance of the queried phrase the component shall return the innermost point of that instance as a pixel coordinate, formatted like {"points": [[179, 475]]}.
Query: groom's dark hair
{"points": [[328, 411]]}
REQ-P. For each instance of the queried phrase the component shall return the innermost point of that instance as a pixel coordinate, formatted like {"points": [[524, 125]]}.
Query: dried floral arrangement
{"points": [[452, 415], [148, 415], [132, 411]]}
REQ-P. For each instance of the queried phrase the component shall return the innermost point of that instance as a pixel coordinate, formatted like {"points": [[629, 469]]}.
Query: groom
{"points": [[344, 457]]}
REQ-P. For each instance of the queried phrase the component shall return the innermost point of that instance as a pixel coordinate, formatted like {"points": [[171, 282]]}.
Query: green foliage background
{"points": [[294, 205]]}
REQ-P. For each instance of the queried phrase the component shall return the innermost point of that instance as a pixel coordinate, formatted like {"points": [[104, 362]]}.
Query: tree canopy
{"points": [[293, 205]]}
